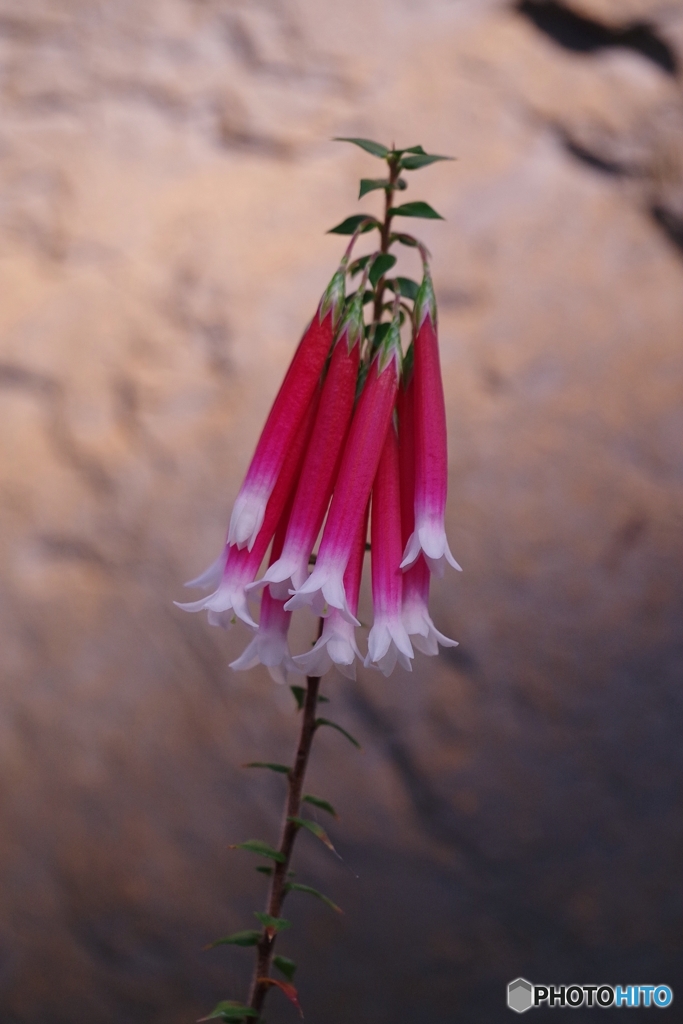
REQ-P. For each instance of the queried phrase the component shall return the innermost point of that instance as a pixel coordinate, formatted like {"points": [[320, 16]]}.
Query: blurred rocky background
{"points": [[166, 182]]}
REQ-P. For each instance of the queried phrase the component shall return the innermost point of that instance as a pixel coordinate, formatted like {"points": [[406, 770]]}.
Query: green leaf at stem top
{"points": [[371, 184], [385, 261], [416, 209], [245, 938], [258, 846], [376, 148], [414, 163], [285, 966], [326, 721], [348, 226]]}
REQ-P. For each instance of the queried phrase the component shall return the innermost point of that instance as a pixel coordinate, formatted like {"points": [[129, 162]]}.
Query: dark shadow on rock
{"points": [[580, 34], [670, 223]]}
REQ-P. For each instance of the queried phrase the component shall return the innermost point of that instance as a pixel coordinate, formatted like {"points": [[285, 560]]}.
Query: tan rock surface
{"points": [[167, 180]]}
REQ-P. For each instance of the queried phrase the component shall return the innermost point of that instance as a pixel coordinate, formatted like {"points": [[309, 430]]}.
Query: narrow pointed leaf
{"points": [[317, 802], [258, 846], [385, 261], [376, 148], [333, 725], [250, 937], [297, 887], [405, 286], [229, 1011], [370, 184], [273, 924], [263, 870], [285, 966], [282, 768], [299, 695], [413, 163], [417, 209], [415, 149], [348, 226], [288, 990], [316, 830]]}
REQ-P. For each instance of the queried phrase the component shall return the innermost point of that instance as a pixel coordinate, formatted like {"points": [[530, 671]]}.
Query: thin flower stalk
{"points": [[337, 643], [431, 454], [324, 588], [388, 641]]}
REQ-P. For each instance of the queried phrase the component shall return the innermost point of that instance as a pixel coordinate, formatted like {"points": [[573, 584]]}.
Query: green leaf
{"points": [[245, 938], [282, 768], [376, 148], [315, 829], [385, 261], [326, 721], [370, 184], [405, 286], [317, 802], [348, 226], [297, 887], [285, 987], [415, 149], [299, 695], [230, 1011], [263, 849], [273, 924], [416, 209], [263, 870], [413, 163], [285, 966]]}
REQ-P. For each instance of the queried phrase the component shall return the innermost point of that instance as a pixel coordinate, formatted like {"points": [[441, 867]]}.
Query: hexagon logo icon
{"points": [[520, 995]]}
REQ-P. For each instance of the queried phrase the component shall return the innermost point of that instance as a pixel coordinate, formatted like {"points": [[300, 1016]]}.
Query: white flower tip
{"points": [[192, 606], [277, 674], [211, 577]]}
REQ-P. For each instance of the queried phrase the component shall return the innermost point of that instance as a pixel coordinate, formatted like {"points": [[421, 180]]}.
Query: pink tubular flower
{"points": [[289, 409], [431, 456], [325, 585], [269, 646], [388, 640], [322, 457], [337, 644], [240, 565], [416, 619]]}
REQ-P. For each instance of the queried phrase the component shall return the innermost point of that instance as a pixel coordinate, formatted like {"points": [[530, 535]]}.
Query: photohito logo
{"points": [[523, 996]]}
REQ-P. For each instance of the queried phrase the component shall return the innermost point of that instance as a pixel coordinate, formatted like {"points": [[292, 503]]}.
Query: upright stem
{"points": [[278, 891], [394, 172]]}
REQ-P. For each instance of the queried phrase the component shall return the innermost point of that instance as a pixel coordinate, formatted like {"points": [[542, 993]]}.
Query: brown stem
{"points": [[278, 891], [394, 172]]}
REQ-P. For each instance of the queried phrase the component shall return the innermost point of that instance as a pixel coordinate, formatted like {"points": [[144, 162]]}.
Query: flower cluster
{"points": [[357, 432]]}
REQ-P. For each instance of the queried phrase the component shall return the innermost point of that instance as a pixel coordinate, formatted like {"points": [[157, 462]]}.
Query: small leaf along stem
{"points": [[278, 887]]}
